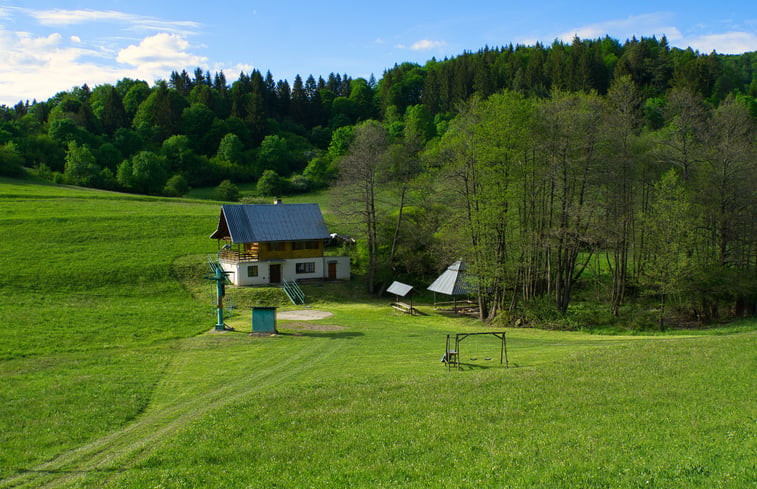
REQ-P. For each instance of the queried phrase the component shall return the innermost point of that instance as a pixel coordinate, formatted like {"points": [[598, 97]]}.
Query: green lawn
{"points": [[110, 377]]}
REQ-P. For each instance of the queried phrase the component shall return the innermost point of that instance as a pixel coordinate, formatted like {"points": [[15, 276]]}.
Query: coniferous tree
{"points": [[298, 108]]}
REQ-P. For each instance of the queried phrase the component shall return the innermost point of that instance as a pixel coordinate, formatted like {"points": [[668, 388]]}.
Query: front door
{"points": [[275, 272], [332, 270]]}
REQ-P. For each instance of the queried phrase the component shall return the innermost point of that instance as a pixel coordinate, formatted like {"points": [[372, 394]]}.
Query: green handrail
{"points": [[294, 292]]}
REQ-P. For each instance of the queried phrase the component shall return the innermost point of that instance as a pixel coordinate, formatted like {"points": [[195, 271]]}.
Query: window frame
{"points": [[304, 267]]}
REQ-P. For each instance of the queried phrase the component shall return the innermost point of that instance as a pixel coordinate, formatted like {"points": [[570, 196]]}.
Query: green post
{"points": [[220, 279]]}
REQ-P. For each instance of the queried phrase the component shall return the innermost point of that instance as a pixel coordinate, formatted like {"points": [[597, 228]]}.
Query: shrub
{"points": [[227, 191], [176, 186], [270, 184]]}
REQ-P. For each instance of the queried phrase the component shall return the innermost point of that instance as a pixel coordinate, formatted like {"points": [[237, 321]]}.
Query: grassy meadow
{"points": [[110, 376]]}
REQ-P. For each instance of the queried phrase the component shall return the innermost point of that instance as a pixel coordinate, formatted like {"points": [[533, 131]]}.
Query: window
{"points": [[307, 267], [276, 246], [311, 245], [298, 245], [252, 270]]}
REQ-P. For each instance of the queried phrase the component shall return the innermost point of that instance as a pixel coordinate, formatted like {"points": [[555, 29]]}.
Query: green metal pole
{"points": [[220, 291]]}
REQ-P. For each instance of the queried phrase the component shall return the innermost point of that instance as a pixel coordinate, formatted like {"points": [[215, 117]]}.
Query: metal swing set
{"points": [[452, 351]]}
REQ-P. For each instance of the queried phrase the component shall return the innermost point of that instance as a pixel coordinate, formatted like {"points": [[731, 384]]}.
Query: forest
{"points": [[625, 172]]}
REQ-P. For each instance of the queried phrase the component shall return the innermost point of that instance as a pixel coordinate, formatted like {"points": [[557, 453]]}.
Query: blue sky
{"points": [[49, 46]]}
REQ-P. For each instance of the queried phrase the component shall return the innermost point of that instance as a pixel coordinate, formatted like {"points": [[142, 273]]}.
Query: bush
{"points": [[176, 186], [227, 191], [270, 184], [300, 184]]}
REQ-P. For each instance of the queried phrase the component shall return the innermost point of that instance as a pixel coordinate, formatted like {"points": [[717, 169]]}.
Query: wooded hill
{"points": [[630, 163]]}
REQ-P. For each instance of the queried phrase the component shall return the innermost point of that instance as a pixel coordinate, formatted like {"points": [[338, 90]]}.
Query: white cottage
{"points": [[270, 243]]}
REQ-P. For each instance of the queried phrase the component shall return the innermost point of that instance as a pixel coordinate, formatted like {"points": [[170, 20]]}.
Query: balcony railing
{"points": [[234, 255]]}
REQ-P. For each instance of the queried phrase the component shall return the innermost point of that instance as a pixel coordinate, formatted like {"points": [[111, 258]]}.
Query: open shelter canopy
{"points": [[453, 281], [400, 289]]}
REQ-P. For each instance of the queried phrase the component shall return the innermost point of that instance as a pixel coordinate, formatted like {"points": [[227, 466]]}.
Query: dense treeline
{"points": [[540, 165], [198, 129], [539, 194]]}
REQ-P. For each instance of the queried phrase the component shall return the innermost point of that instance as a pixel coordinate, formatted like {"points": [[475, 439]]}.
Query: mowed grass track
{"points": [[109, 378]]}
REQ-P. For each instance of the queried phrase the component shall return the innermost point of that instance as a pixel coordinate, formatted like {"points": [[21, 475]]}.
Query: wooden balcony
{"points": [[233, 255], [237, 252]]}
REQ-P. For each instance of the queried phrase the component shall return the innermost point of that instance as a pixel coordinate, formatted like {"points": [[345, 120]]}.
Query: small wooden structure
{"points": [[264, 320], [405, 291], [452, 352]]}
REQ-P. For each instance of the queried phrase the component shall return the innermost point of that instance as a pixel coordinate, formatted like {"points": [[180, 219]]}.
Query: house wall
{"points": [[240, 276], [342, 266], [287, 251]]}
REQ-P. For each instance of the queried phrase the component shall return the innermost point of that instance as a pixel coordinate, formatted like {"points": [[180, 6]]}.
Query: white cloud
{"points": [[422, 45], [68, 17], [657, 24], [38, 67], [425, 45], [160, 54], [639, 25], [61, 17], [726, 43], [75, 39]]}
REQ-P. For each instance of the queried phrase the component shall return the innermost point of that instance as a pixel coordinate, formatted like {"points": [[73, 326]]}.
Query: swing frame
{"points": [[452, 355]]}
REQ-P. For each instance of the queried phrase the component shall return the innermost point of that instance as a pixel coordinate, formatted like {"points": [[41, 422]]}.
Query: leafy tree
{"points": [[11, 162], [341, 139], [274, 155], [480, 155], [361, 97], [144, 173], [669, 228], [230, 149], [319, 172], [681, 139], [177, 151], [43, 150], [76, 110], [81, 167], [196, 121], [345, 107], [134, 96], [420, 121], [358, 185], [108, 156], [64, 131], [624, 119], [128, 141]]}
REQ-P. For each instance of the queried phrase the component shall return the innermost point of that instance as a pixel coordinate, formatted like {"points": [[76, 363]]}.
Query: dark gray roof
{"points": [[453, 281], [257, 223], [398, 288]]}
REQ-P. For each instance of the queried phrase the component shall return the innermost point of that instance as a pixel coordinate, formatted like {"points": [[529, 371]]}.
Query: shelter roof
{"points": [[400, 289], [255, 223], [453, 281]]}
